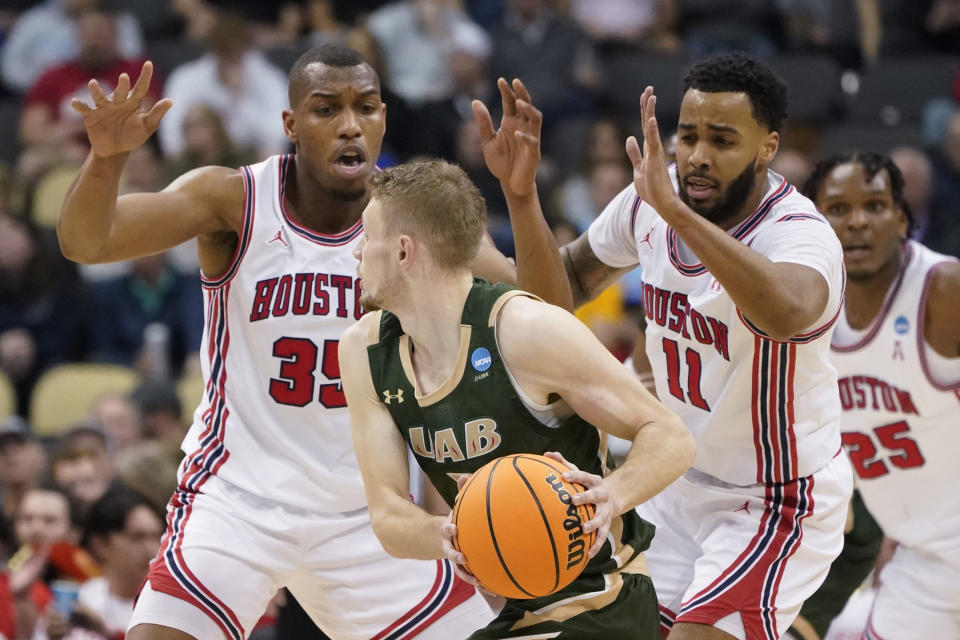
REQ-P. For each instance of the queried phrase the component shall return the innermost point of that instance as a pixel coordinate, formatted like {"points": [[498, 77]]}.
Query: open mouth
{"points": [[351, 160], [699, 188], [857, 251]]}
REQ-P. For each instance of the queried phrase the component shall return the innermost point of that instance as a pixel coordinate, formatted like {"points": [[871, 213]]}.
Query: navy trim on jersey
{"points": [[783, 190], [249, 198]]}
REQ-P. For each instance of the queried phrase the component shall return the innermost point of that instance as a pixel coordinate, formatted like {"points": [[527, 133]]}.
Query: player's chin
{"points": [[369, 303]]}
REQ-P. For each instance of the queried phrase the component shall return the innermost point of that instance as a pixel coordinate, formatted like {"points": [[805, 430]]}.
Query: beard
{"points": [[732, 200]]}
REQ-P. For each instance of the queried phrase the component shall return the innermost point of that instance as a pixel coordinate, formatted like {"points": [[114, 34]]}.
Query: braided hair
{"points": [[872, 164]]}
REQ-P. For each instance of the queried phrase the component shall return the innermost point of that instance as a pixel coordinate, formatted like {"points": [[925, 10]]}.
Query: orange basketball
{"points": [[521, 535]]}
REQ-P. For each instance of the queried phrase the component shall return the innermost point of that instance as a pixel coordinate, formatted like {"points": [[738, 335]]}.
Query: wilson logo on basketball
{"points": [[576, 548]]}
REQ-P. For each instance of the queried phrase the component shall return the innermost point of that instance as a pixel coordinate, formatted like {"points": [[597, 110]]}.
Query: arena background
{"points": [[98, 368]]}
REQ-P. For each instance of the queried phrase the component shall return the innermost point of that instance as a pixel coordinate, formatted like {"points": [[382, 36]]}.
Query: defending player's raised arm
{"points": [[780, 298], [404, 529], [588, 274], [512, 154], [552, 353], [97, 226]]}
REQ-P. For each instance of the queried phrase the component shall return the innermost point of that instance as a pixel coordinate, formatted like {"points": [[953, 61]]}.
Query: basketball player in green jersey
{"points": [[464, 372]]}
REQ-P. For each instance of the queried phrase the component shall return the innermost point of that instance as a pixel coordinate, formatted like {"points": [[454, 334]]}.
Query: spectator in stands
{"points": [[322, 24], [418, 41], [46, 516], [40, 320], [81, 472], [47, 35], [628, 24], [793, 165], [151, 470], [160, 412], [942, 24], [711, 26], [917, 172], [152, 295], [22, 462], [48, 124], [551, 54], [944, 232], [847, 30], [205, 142], [118, 418], [415, 38], [582, 203], [236, 81], [602, 144], [123, 533]]}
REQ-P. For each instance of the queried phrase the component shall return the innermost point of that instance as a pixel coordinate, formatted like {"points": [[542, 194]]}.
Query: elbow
{"points": [[788, 321], [383, 530], [73, 250]]}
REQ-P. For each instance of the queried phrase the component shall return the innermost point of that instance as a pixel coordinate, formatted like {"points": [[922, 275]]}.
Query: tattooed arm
{"points": [[588, 275]]}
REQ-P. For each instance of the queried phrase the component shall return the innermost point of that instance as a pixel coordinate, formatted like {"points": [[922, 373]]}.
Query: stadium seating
{"points": [[8, 398], [65, 393], [895, 91]]}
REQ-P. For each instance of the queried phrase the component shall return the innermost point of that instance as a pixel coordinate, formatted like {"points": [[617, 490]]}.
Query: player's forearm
{"points": [[660, 453], [540, 269], [756, 285], [89, 208], [407, 531]]}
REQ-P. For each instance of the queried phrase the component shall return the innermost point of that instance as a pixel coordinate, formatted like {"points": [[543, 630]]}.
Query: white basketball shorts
{"points": [[226, 553], [743, 559], [919, 597]]}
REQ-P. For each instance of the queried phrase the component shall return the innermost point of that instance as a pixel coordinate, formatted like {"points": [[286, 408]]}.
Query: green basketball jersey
{"points": [[478, 415]]}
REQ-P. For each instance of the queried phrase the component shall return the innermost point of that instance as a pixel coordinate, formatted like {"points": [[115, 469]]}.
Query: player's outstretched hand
{"points": [[596, 493], [119, 123], [650, 175], [512, 152]]}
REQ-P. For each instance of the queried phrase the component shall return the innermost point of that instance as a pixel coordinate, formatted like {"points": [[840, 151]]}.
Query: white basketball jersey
{"points": [[273, 420], [900, 427], [761, 411]]}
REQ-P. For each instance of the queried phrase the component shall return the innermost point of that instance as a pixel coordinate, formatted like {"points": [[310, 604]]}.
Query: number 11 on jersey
{"points": [[672, 350]]}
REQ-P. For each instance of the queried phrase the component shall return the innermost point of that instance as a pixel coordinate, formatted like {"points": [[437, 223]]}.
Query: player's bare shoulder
{"points": [[942, 326], [361, 334], [527, 327]]}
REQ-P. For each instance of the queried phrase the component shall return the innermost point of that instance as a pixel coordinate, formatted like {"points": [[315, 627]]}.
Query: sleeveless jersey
{"points": [[478, 416], [273, 419], [902, 428], [761, 411]]}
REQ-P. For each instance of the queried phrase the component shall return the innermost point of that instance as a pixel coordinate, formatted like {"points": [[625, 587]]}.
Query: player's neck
{"points": [[316, 208], [433, 324], [864, 296], [750, 205]]}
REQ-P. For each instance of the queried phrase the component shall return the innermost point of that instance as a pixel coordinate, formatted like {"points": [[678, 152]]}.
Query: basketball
{"points": [[516, 526]]}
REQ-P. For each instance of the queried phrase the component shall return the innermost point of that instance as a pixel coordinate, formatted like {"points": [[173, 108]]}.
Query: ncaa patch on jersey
{"points": [[901, 325], [480, 359]]}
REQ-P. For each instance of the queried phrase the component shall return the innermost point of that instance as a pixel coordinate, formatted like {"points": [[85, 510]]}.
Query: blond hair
{"points": [[435, 201]]}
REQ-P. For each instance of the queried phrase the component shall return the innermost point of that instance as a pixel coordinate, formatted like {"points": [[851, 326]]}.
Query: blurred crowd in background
{"points": [[88, 451]]}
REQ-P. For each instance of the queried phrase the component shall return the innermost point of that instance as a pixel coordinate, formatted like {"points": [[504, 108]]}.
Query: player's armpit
{"points": [[941, 326], [588, 274]]}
